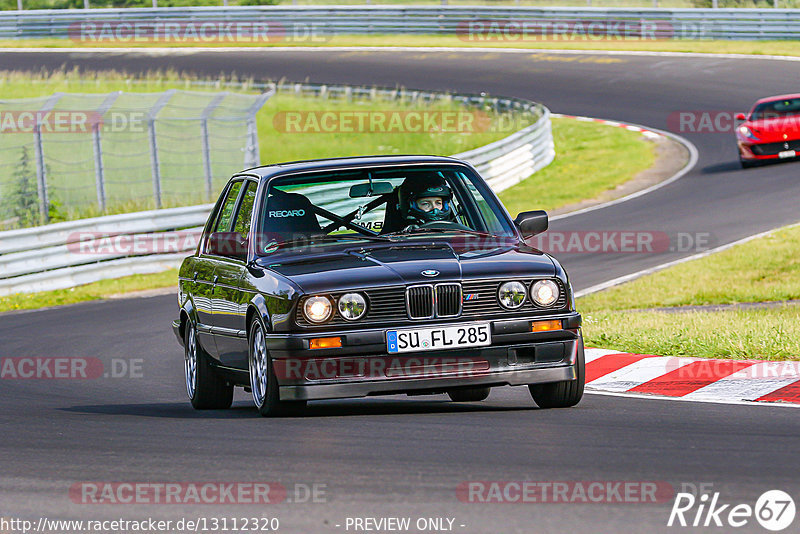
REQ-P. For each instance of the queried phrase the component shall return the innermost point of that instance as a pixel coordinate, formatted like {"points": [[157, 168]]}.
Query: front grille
{"points": [[448, 300], [419, 302], [480, 299], [477, 299], [771, 149]]}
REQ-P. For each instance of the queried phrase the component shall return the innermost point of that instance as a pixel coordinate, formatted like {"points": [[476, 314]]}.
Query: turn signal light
{"points": [[326, 343], [545, 326]]}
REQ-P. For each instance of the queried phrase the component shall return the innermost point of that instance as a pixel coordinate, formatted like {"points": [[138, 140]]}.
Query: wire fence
{"points": [[94, 4], [92, 153]]}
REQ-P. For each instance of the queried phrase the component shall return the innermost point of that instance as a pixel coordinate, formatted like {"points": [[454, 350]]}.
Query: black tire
{"points": [[263, 382], [206, 390], [747, 164], [562, 394], [475, 394]]}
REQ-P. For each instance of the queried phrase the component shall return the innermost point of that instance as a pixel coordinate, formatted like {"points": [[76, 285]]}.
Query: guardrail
{"points": [[312, 24], [67, 254]]}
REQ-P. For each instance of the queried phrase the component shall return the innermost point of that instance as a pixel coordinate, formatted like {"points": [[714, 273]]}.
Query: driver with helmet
{"points": [[424, 199]]}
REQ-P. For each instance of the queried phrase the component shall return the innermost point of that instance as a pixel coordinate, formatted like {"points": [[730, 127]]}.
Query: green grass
{"points": [[768, 334], [94, 291], [591, 158], [764, 269], [783, 47]]}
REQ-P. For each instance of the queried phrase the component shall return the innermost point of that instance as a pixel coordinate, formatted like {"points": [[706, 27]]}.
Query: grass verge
{"points": [[764, 269], [94, 291], [780, 48], [591, 158]]}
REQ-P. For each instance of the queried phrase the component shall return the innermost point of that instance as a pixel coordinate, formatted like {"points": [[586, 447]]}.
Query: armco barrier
{"points": [[310, 23], [50, 257]]}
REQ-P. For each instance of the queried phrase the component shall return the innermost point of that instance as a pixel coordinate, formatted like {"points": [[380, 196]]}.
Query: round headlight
{"points": [[352, 306], [544, 293], [512, 295], [317, 309]]}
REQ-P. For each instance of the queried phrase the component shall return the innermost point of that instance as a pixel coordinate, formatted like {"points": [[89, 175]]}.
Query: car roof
{"points": [[268, 171], [776, 97]]}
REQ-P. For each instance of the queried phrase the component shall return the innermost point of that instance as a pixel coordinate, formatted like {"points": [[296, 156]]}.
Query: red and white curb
{"points": [[650, 134], [697, 379]]}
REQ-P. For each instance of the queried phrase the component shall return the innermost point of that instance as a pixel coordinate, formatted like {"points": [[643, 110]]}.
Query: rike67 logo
{"points": [[774, 510]]}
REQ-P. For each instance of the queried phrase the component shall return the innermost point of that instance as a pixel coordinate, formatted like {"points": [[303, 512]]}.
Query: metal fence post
{"points": [[151, 130], [204, 139], [252, 158], [19, 5], [41, 169], [97, 148]]}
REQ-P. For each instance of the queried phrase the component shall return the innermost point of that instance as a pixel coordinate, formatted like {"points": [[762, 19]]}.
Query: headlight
{"points": [[745, 131], [352, 306], [544, 293], [512, 295], [317, 309]]}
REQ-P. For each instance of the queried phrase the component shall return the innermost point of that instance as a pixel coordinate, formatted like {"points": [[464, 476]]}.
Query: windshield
{"points": [[776, 109], [377, 204]]}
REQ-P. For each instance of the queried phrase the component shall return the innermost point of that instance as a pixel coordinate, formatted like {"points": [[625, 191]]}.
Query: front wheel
{"points": [[562, 394], [263, 383], [205, 389], [747, 164]]}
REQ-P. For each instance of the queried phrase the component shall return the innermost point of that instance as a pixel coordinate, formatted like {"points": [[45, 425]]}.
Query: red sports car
{"points": [[770, 131]]}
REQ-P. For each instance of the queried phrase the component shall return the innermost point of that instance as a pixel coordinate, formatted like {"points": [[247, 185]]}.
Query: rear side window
{"points": [[226, 212], [242, 224]]}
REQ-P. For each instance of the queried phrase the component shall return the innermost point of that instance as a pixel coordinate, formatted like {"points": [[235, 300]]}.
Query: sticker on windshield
{"points": [[270, 247]]}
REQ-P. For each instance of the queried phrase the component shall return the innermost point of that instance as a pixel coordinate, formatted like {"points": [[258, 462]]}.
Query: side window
{"points": [[242, 224], [489, 218], [226, 212]]}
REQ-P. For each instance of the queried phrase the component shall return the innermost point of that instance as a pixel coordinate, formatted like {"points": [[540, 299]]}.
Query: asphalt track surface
{"points": [[398, 456]]}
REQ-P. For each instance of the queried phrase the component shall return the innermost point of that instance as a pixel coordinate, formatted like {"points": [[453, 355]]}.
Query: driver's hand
{"points": [[410, 228]]}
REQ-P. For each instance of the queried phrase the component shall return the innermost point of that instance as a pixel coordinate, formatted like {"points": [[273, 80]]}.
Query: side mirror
{"points": [[740, 117], [227, 244], [531, 223]]}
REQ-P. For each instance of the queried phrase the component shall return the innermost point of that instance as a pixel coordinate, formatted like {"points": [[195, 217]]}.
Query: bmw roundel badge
{"points": [[430, 273]]}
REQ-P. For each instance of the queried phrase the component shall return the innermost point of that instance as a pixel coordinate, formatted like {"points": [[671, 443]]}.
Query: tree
{"points": [[22, 201]]}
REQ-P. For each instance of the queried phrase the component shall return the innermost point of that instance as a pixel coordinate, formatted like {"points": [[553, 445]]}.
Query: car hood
{"points": [[773, 130], [404, 263]]}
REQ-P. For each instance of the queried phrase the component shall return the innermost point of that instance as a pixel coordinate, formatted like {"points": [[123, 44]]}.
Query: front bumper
{"points": [[363, 367]]}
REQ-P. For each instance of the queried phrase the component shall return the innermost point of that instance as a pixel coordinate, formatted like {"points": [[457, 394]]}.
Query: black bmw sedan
{"points": [[372, 276]]}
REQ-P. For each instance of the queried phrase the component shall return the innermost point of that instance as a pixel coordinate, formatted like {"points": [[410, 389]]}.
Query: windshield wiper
{"points": [[331, 237], [422, 230]]}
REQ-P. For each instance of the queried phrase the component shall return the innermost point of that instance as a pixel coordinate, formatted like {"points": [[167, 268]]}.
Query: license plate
{"points": [[438, 338], [787, 154]]}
